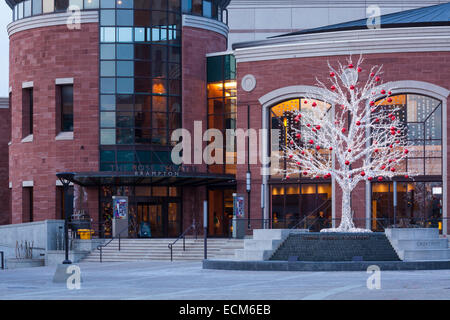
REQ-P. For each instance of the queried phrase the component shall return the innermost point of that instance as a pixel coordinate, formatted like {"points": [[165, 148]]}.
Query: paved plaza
{"points": [[187, 280]]}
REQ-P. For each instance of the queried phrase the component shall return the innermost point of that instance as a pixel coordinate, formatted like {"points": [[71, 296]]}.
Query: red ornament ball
{"points": [[352, 87], [347, 162], [380, 178], [383, 91], [318, 148], [358, 123], [331, 74], [333, 88], [363, 174], [350, 66]]}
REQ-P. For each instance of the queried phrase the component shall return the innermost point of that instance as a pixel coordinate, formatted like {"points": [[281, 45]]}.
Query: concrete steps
{"points": [[419, 244], [263, 244], [157, 249]]}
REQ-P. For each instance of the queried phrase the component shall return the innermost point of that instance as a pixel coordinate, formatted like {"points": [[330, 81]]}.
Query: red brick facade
{"points": [[5, 135], [431, 67], [42, 55], [196, 43]]}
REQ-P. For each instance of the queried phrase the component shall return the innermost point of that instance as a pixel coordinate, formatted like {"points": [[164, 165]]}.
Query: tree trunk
{"points": [[347, 216]]}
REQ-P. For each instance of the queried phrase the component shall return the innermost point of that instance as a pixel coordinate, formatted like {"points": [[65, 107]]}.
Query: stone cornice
{"points": [[416, 39], [206, 24], [52, 19]]}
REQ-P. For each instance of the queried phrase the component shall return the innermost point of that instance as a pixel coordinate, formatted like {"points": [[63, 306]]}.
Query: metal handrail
{"points": [[183, 236], [101, 246], [328, 203]]}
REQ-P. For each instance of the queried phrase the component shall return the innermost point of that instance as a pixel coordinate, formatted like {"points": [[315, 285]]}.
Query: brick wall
{"points": [[429, 67], [196, 44], [42, 55], [5, 135]]}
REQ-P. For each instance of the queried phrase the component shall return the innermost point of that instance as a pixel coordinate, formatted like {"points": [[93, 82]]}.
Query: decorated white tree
{"points": [[346, 135]]}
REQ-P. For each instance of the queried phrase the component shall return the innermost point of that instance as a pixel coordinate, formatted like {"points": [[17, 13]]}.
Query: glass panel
{"points": [[124, 34], [143, 103], [159, 104], [27, 9], [20, 9], [107, 85], [107, 69], [125, 85], [108, 119], [93, 4], [107, 156], [61, 5], [76, 3], [124, 136], [125, 17], [139, 34], [124, 103], [107, 51], [125, 4], [107, 34], [107, 102], [107, 136], [124, 119], [48, 6], [67, 108], [107, 17], [125, 68], [105, 3], [207, 9], [197, 7], [125, 51]]}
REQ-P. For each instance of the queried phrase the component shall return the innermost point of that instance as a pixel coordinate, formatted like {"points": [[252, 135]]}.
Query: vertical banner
{"points": [[239, 223]]}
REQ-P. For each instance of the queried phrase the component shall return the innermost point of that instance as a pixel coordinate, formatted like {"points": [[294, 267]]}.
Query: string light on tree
{"points": [[367, 137]]}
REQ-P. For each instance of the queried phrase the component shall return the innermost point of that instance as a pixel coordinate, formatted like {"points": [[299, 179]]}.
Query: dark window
{"points": [[27, 112], [66, 108], [27, 204], [61, 5]]}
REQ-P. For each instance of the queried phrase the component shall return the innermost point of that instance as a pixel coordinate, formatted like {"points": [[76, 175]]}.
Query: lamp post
{"points": [[66, 178]]}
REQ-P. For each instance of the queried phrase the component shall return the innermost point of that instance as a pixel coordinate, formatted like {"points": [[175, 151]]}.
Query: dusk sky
{"points": [[5, 19]]}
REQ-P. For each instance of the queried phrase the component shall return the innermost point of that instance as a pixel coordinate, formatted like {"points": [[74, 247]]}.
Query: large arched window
{"points": [[301, 200], [419, 200], [422, 118], [282, 119]]}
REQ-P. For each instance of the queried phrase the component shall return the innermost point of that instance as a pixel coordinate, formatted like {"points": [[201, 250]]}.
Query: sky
{"points": [[5, 19]]}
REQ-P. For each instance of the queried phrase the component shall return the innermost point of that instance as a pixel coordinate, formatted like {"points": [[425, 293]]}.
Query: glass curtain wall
{"points": [[140, 84], [222, 106]]}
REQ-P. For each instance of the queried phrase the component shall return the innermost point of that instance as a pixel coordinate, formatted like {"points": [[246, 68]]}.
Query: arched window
{"points": [[282, 119], [419, 201]]}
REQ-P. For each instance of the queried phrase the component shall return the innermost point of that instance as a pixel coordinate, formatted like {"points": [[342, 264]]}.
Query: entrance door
{"points": [[163, 220], [150, 220]]}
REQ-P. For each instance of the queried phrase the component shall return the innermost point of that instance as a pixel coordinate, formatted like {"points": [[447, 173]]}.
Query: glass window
{"points": [[107, 34], [207, 9], [125, 51], [124, 102], [186, 6], [107, 156], [139, 34], [92, 4], [197, 7], [108, 102], [20, 9], [125, 17], [142, 4], [108, 85], [125, 4], [106, 3], [108, 51], [125, 85], [66, 108], [108, 69], [107, 17], [76, 3], [27, 8], [107, 119], [125, 68], [142, 18], [124, 136], [107, 136], [124, 34], [61, 5]]}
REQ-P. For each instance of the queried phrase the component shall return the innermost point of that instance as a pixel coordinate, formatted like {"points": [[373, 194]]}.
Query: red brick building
{"points": [[99, 93]]}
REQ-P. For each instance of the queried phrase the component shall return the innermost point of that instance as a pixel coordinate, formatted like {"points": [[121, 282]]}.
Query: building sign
{"points": [[162, 171], [120, 210], [238, 206]]}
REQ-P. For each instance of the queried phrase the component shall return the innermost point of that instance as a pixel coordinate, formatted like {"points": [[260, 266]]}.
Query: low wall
{"points": [[43, 235]]}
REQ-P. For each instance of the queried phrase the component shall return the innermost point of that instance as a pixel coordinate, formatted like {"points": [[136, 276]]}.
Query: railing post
{"points": [[2, 258], [101, 254], [119, 241], [171, 257]]}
